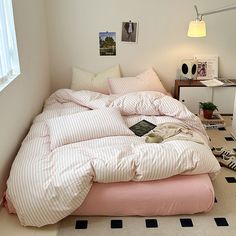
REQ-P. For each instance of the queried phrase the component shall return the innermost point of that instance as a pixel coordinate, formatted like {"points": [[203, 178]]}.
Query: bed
{"points": [[79, 154], [81, 158]]}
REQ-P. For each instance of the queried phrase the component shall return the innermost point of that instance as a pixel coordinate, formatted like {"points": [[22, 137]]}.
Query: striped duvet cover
{"points": [[49, 182]]}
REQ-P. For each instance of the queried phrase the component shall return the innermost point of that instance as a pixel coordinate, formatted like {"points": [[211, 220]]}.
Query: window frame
{"points": [[9, 58]]}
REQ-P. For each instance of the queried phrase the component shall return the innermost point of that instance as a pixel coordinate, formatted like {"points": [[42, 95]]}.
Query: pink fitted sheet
{"points": [[172, 196]]}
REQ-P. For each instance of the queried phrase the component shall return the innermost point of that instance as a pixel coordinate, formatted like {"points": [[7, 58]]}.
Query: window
{"points": [[9, 61]]}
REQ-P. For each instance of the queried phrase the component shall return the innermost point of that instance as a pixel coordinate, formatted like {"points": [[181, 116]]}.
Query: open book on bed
{"points": [[142, 127]]}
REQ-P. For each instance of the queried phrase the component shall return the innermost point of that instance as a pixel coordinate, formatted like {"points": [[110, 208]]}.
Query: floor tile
{"points": [[221, 221], [116, 224], [186, 222], [81, 224], [229, 139], [230, 179], [151, 223]]}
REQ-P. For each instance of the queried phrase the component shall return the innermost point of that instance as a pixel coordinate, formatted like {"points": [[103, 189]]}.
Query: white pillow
{"points": [[86, 125], [147, 81], [83, 80]]}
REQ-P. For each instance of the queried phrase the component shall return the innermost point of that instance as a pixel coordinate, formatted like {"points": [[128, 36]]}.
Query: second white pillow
{"points": [[84, 80]]}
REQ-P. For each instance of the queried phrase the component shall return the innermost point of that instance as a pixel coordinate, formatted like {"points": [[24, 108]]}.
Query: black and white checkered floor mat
{"points": [[221, 220]]}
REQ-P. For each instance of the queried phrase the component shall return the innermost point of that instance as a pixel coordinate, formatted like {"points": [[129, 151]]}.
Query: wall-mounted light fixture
{"points": [[197, 28]]}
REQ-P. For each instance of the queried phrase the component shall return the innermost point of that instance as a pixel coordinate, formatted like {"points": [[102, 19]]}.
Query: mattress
{"points": [[172, 196]]}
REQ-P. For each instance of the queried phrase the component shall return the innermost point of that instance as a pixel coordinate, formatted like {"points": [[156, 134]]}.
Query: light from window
{"points": [[9, 61]]}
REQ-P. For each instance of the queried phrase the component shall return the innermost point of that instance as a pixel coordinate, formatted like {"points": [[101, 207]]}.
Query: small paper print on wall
{"points": [[107, 43], [207, 66], [129, 32]]}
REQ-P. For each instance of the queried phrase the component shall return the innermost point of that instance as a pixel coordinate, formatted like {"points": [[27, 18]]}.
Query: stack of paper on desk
{"points": [[212, 83], [217, 82]]}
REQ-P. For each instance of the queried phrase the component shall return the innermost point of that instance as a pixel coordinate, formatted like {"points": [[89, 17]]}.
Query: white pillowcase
{"points": [[147, 81], [83, 80], [86, 125]]}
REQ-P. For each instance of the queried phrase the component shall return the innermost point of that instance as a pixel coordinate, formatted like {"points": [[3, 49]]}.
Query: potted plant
{"points": [[208, 109]]}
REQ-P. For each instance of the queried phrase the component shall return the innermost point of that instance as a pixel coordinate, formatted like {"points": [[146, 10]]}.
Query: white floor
{"points": [[10, 226]]}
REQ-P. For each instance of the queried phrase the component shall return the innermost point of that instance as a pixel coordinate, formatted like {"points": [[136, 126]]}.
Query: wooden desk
{"points": [[191, 92]]}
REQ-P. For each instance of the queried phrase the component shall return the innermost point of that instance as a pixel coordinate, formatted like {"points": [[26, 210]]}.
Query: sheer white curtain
{"points": [[9, 62]]}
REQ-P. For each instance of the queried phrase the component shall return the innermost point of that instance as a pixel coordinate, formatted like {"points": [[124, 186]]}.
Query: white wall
{"points": [[162, 43], [24, 97]]}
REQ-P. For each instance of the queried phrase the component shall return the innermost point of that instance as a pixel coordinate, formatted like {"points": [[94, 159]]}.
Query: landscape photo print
{"points": [[107, 43]]}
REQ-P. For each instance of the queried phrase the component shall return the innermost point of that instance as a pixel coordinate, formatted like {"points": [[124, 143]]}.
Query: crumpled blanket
{"points": [[47, 185], [173, 131]]}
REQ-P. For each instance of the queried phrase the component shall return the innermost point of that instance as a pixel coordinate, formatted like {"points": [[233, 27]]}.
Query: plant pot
{"points": [[207, 114]]}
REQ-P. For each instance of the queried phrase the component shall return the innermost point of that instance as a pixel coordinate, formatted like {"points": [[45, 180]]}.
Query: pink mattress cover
{"points": [[172, 196]]}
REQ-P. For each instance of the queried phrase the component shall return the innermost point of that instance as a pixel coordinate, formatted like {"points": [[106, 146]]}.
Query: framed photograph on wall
{"points": [[207, 66], [107, 43], [129, 32]]}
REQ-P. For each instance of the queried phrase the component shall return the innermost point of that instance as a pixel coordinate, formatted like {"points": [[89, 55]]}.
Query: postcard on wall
{"points": [[207, 66], [107, 43], [129, 32]]}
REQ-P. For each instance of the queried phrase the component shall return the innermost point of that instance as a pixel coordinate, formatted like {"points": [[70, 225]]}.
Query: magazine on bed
{"points": [[142, 127]]}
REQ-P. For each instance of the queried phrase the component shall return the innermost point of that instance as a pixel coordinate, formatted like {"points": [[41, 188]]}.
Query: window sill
{"points": [[4, 84]]}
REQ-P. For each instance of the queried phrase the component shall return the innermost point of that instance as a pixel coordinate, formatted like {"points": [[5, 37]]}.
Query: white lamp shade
{"points": [[197, 29]]}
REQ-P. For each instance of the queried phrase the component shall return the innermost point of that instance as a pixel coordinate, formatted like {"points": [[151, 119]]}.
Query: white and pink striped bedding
{"points": [[47, 185]]}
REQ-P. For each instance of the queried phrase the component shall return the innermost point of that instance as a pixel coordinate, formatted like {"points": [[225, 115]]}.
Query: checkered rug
{"points": [[220, 221]]}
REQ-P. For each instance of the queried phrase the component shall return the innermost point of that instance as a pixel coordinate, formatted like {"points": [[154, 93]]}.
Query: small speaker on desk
{"points": [[189, 69]]}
